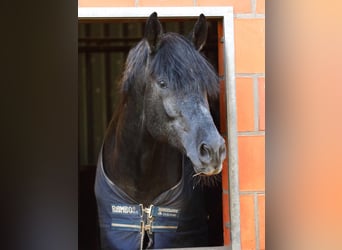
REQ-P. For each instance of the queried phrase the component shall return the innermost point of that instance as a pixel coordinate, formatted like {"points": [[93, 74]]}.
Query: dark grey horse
{"points": [[161, 136]]}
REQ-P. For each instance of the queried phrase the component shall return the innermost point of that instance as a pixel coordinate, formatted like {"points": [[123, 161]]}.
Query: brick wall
{"points": [[250, 90], [249, 21], [250, 95]]}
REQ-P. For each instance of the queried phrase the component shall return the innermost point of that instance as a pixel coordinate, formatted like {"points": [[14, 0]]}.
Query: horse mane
{"points": [[176, 61], [135, 63]]}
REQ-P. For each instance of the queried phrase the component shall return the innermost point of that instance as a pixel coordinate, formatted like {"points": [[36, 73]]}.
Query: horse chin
{"points": [[207, 170], [204, 179], [204, 169]]}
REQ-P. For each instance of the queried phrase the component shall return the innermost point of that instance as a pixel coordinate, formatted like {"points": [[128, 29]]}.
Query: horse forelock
{"points": [[176, 61], [183, 67]]}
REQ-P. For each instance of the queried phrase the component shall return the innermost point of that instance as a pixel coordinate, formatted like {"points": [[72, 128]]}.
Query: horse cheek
{"points": [[156, 122]]}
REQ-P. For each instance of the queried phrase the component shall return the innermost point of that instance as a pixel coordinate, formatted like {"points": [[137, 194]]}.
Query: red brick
{"points": [[226, 235], [225, 184], [245, 104], [106, 3], [225, 208], [220, 46], [226, 218], [261, 208], [248, 240], [223, 108], [240, 6], [261, 88], [252, 163], [165, 3], [260, 6], [250, 45]]}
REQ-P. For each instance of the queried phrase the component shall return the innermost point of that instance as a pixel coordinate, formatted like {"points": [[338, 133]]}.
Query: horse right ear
{"points": [[153, 32], [198, 35]]}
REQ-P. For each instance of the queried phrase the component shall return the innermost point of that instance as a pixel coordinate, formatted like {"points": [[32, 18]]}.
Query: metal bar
{"points": [[233, 165]]}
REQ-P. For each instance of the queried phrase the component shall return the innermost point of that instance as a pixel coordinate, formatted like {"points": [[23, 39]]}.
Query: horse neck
{"points": [[136, 162]]}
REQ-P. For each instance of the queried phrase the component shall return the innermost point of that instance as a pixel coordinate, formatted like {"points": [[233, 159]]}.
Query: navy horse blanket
{"points": [[176, 218]]}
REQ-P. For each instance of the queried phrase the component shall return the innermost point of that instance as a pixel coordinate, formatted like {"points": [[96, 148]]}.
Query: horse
{"points": [[160, 138]]}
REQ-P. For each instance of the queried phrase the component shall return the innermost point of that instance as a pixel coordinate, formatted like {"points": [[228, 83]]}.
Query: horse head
{"points": [[176, 83]]}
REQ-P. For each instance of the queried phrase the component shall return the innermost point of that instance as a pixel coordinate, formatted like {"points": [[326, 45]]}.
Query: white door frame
{"points": [[226, 13]]}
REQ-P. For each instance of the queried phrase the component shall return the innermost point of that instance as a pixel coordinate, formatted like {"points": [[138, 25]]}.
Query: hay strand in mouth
{"points": [[200, 173]]}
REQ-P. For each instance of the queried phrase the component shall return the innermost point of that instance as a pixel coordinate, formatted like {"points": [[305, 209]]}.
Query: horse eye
{"points": [[162, 84]]}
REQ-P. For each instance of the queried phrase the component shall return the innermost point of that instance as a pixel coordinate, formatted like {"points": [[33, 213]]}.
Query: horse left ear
{"points": [[199, 33], [153, 31]]}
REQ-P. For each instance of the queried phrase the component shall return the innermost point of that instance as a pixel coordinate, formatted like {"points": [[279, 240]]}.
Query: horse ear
{"points": [[199, 33], [153, 31]]}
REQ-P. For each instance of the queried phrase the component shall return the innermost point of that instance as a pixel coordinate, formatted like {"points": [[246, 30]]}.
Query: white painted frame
{"points": [[226, 13]]}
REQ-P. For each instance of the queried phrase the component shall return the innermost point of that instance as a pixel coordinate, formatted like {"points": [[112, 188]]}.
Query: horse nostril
{"points": [[205, 155]]}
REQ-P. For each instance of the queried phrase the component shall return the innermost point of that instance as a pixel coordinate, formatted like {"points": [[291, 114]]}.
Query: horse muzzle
{"points": [[211, 154]]}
